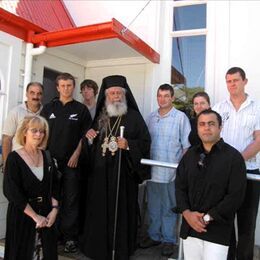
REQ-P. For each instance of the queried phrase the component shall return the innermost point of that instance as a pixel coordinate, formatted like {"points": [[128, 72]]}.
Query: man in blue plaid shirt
{"points": [[169, 129]]}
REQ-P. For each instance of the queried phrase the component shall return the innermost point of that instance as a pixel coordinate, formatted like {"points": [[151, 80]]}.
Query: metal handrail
{"points": [[250, 176]]}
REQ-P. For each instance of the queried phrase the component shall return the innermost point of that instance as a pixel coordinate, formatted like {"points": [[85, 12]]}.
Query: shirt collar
{"points": [[246, 103], [24, 106], [167, 114], [67, 103], [218, 145]]}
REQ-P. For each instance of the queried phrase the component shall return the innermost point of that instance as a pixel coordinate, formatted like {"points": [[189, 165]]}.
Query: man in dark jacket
{"points": [[68, 121], [210, 187]]}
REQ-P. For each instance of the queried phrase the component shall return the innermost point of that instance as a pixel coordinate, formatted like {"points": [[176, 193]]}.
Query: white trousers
{"points": [[197, 249]]}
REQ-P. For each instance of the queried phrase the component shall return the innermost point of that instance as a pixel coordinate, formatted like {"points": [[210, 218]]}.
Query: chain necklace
{"points": [[35, 162], [110, 142]]}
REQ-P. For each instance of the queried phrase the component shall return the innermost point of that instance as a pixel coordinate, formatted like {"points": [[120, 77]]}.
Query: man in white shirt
{"points": [[241, 129], [34, 93]]}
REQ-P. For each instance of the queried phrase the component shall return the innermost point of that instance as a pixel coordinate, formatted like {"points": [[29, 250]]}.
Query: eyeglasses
{"points": [[35, 131]]}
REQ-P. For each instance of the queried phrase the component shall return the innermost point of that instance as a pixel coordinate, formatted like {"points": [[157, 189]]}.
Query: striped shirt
{"points": [[169, 135], [239, 126]]}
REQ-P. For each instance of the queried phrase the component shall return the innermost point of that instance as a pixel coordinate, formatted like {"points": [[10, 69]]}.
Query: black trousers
{"points": [[69, 212], [246, 224]]}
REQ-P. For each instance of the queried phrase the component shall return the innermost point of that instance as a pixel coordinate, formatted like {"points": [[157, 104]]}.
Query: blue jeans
{"points": [[162, 221]]}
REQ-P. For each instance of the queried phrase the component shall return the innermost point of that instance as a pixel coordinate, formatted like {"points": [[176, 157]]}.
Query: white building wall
{"points": [[10, 68], [135, 71], [232, 40], [10, 74], [61, 62]]}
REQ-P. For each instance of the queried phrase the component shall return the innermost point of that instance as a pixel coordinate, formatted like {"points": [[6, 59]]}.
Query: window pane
{"points": [[188, 66], [189, 17]]}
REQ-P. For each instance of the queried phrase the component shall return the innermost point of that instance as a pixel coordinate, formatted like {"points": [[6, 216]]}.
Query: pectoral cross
{"points": [[104, 146]]}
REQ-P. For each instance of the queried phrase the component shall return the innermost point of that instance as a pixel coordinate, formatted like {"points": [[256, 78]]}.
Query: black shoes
{"points": [[70, 247], [168, 249], [148, 242]]}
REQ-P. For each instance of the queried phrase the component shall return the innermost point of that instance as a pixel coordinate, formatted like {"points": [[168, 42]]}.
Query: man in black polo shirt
{"points": [[68, 121], [210, 187]]}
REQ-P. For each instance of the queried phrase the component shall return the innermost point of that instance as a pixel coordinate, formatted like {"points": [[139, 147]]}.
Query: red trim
{"points": [[17, 26], [96, 32], [75, 35], [135, 42]]}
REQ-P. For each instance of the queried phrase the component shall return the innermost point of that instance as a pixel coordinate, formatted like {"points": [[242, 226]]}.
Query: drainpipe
{"points": [[30, 52]]}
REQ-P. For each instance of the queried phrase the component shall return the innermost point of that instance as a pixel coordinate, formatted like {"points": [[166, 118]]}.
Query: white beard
{"points": [[116, 108]]}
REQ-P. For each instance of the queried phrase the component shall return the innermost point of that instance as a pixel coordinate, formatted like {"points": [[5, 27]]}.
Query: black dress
{"points": [[21, 186], [99, 223]]}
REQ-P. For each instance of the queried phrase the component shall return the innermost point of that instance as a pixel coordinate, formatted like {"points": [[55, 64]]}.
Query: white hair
{"points": [[118, 108]]}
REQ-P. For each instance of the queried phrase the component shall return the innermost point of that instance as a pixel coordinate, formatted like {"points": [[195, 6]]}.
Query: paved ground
{"points": [[141, 254], [145, 254]]}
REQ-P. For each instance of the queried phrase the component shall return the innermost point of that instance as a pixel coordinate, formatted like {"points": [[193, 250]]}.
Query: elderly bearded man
{"points": [[116, 107]]}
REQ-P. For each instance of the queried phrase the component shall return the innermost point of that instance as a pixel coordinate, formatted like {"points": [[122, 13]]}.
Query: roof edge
{"points": [[68, 13], [135, 42], [17, 26], [75, 35]]}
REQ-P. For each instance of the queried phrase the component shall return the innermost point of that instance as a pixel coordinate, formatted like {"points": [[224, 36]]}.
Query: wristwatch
{"points": [[206, 217]]}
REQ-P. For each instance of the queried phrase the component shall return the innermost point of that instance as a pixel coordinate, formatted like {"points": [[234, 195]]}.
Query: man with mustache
{"points": [[31, 107], [116, 107]]}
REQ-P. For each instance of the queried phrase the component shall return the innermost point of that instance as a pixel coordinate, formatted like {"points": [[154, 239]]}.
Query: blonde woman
{"points": [[32, 191]]}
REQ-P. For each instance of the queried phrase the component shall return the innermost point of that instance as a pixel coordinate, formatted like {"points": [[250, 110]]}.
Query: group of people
{"points": [[84, 188], [210, 181], [37, 195]]}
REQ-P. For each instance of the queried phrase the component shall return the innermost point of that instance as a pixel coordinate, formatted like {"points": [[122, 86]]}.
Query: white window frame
{"points": [[191, 32], [186, 33]]}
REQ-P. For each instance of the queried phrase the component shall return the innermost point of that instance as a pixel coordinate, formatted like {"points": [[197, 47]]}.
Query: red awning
{"points": [[32, 33]]}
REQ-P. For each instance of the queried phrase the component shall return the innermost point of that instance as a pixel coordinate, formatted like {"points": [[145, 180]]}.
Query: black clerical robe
{"points": [[99, 223]]}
